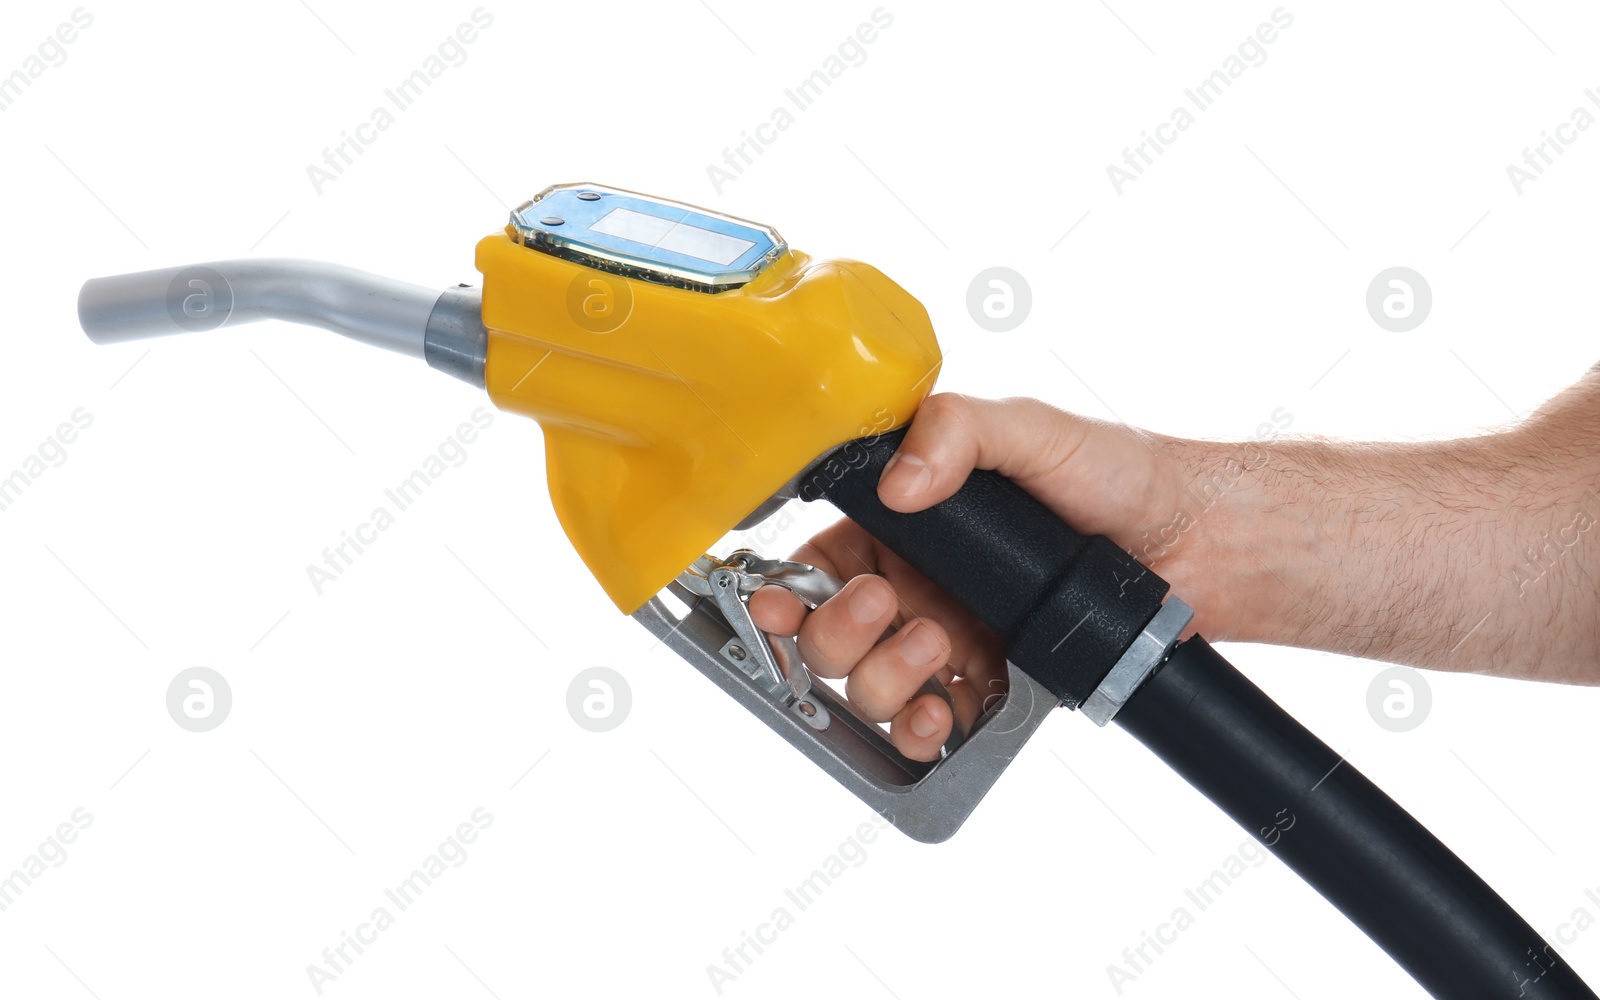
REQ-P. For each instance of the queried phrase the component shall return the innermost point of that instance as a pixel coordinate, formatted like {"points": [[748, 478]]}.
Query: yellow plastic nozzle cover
{"points": [[671, 414]]}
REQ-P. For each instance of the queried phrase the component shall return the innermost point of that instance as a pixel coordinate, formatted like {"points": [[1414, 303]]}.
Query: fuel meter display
{"points": [[643, 237]]}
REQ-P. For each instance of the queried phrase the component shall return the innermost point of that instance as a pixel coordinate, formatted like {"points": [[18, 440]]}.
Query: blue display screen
{"points": [[667, 234]]}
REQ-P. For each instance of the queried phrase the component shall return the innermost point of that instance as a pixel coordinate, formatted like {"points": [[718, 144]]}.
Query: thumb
{"points": [[1101, 478]]}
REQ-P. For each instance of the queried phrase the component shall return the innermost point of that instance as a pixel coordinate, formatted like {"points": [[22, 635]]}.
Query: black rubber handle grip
{"points": [[1067, 605]]}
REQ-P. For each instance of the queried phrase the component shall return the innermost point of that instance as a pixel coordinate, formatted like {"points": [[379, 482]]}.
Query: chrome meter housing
{"points": [[640, 236]]}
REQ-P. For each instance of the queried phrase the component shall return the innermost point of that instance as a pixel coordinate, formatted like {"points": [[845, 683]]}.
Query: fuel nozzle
{"points": [[624, 324], [443, 328]]}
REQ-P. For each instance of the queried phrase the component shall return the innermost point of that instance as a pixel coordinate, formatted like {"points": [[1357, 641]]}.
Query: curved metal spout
{"points": [[444, 328]]}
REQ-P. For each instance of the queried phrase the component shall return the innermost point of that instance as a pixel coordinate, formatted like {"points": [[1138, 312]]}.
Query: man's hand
{"points": [[1477, 554], [1100, 478]]}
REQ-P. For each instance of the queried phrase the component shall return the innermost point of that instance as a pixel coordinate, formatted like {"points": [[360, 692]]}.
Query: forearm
{"points": [[1478, 554]]}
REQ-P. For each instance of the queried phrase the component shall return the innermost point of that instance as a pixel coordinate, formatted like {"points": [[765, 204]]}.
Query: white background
{"points": [[371, 720]]}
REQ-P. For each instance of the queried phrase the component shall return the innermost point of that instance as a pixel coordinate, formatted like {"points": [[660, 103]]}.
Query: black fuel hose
{"points": [[1339, 832], [1067, 605]]}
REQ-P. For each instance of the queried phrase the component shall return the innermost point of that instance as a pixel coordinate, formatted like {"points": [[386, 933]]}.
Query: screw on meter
{"points": [[639, 236]]}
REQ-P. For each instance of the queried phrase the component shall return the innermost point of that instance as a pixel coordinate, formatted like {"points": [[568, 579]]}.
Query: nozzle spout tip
{"points": [[200, 297]]}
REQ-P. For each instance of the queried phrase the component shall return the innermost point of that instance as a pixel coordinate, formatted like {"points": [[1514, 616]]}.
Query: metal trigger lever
{"points": [[773, 661], [776, 658]]}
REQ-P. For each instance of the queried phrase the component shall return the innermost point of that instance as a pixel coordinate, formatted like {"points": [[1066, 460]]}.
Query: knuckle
{"points": [[869, 698], [943, 408], [832, 642]]}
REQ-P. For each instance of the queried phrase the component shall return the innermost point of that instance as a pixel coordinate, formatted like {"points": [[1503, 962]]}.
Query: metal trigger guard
{"points": [[927, 801], [731, 581]]}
